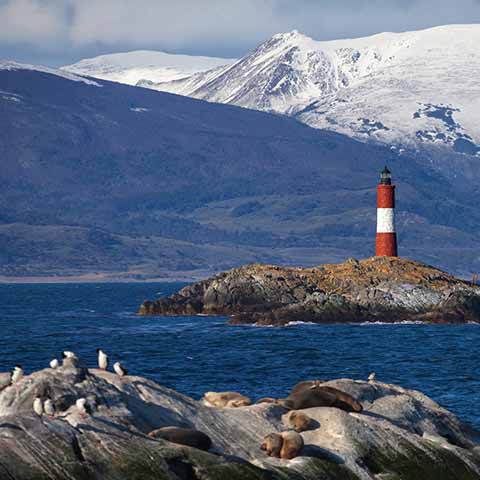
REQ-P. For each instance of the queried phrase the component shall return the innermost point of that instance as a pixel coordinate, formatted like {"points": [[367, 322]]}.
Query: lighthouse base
{"points": [[386, 245]]}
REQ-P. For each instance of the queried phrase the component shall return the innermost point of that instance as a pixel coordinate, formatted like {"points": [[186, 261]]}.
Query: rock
{"points": [[4, 380], [384, 441], [375, 289]]}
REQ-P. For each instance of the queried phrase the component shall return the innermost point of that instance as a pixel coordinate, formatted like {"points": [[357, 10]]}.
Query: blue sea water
{"points": [[196, 354]]}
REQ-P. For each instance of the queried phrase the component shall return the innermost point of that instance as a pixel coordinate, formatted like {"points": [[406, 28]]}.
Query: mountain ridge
{"points": [[414, 91], [144, 65]]}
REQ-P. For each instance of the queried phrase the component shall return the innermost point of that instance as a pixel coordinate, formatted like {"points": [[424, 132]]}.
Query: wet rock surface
{"points": [[400, 434], [375, 289]]}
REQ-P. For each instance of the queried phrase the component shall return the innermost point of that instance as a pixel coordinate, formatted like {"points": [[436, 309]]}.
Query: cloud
{"points": [[174, 24], [30, 22], [211, 27]]}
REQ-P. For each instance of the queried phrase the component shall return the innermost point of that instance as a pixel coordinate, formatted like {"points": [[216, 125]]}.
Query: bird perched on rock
{"points": [[16, 375], [371, 377], [70, 359], [49, 407], [102, 359], [119, 369], [54, 363], [38, 406], [82, 407]]}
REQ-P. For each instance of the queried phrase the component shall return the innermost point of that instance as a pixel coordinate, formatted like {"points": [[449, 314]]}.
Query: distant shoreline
{"points": [[94, 278]]}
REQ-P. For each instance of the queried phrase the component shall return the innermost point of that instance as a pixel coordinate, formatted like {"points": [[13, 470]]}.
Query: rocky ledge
{"points": [[390, 433], [375, 289]]}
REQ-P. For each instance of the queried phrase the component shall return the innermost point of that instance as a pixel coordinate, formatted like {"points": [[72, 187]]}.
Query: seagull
{"points": [[16, 375], [315, 384], [119, 369], [81, 405], [371, 377], [102, 359], [54, 364], [49, 408], [38, 406], [70, 359]]}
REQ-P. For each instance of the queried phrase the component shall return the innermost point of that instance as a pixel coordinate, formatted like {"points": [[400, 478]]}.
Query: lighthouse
{"points": [[386, 235]]}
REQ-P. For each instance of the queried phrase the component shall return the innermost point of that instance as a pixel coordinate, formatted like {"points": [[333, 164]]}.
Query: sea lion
{"points": [[285, 445], [314, 394], [299, 421], [292, 445], [266, 400], [183, 436], [226, 399], [272, 444], [306, 384]]}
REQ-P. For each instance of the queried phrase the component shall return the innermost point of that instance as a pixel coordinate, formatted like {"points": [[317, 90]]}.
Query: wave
{"points": [[404, 322]]}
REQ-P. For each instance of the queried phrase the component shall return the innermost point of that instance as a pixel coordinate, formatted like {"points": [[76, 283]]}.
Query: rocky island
{"points": [[386, 289], [104, 426]]}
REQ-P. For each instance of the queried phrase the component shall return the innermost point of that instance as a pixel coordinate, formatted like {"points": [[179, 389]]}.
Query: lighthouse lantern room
{"points": [[386, 242]]}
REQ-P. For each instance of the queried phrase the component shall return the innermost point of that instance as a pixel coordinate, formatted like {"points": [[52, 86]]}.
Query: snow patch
{"points": [[144, 65], [10, 65]]}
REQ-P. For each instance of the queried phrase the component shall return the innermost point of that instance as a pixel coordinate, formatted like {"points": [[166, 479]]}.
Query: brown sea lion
{"points": [[299, 421], [183, 436], [226, 399], [314, 394], [285, 445], [266, 400], [272, 444], [306, 384], [292, 445]]}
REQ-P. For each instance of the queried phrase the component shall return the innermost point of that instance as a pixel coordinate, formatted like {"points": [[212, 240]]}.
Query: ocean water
{"points": [[197, 354]]}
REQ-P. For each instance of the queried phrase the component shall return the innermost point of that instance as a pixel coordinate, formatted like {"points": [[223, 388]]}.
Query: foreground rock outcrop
{"points": [[400, 434], [376, 289]]}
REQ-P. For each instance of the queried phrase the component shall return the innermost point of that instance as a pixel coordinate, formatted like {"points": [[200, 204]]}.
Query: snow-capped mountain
{"points": [[144, 65], [415, 90]]}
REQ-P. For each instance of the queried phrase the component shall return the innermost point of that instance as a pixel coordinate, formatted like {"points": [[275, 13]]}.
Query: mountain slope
{"points": [[416, 90], [144, 65], [104, 178]]}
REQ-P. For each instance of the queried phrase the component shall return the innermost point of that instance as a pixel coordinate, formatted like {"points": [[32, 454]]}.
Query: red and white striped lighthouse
{"points": [[386, 236]]}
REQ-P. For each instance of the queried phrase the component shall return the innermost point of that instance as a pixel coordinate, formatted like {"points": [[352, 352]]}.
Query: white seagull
{"points": [[49, 408], [102, 359], [119, 369], [54, 363], [371, 377], [69, 359], [81, 405], [16, 375], [38, 406]]}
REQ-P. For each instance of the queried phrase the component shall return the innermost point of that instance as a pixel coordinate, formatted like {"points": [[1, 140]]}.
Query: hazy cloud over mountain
{"points": [[60, 31]]}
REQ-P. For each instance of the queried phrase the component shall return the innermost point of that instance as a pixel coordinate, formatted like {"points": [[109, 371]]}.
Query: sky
{"points": [[60, 32]]}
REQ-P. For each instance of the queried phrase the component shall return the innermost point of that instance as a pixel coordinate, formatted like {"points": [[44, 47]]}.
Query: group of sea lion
{"points": [[309, 394], [287, 444]]}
